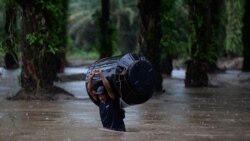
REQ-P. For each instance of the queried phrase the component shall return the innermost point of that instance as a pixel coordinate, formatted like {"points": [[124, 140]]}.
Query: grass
{"points": [[81, 54]]}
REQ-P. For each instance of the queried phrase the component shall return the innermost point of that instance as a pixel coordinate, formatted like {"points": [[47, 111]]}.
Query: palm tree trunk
{"points": [[200, 16], [11, 58], [150, 35], [245, 37], [37, 69], [106, 49], [41, 31]]}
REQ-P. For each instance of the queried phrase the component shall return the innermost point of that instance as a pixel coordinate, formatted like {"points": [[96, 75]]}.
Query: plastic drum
{"points": [[135, 87]]}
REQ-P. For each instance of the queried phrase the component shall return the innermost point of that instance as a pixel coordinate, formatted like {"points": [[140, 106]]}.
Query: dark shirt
{"points": [[111, 115]]}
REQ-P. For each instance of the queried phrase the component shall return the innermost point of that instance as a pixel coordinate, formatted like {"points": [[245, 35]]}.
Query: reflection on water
{"points": [[8, 82], [180, 73], [69, 70], [77, 88], [1, 115], [9, 73]]}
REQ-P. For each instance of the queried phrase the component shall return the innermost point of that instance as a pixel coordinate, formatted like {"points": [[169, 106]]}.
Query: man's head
{"points": [[101, 93]]}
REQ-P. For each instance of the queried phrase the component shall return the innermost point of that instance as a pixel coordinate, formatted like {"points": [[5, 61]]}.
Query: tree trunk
{"points": [[39, 63], [217, 38], [245, 37], [106, 49], [63, 33], [196, 73], [150, 35], [37, 69], [56, 24], [11, 58], [167, 65]]}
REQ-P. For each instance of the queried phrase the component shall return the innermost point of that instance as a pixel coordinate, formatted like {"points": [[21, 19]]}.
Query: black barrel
{"points": [[136, 86]]}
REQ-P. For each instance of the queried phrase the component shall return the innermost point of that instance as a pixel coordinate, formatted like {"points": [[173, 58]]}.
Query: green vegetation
{"points": [[175, 40], [2, 9], [76, 54], [234, 15], [83, 32]]}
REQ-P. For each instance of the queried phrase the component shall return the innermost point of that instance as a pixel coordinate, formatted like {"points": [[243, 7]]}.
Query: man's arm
{"points": [[106, 84], [90, 88]]}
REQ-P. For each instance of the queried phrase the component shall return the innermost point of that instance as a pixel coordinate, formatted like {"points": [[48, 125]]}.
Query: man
{"points": [[110, 112]]}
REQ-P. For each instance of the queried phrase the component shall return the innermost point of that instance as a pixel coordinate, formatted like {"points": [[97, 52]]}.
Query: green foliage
{"points": [[76, 53], [53, 49], [176, 31], [32, 39], [234, 14], [9, 2], [52, 41], [111, 30], [83, 23], [174, 25], [177, 37], [51, 36], [7, 42], [1, 20], [2, 8]]}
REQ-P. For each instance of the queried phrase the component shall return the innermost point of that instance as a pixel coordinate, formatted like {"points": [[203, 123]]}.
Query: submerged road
{"points": [[179, 114]]}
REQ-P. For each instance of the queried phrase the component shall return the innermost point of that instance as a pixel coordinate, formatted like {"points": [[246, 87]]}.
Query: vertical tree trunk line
{"points": [[38, 70], [217, 40], [150, 35], [42, 28], [11, 58], [32, 76], [200, 16], [106, 48], [245, 37]]}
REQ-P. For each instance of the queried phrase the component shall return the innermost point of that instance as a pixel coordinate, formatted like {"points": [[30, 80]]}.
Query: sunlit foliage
{"points": [[234, 13]]}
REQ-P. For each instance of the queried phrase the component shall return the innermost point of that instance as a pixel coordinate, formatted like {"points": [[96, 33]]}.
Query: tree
{"points": [[245, 37], [105, 49], [10, 43], [127, 26], [234, 23], [150, 35], [196, 73], [41, 42], [167, 41], [61, 26], [217, 36]]}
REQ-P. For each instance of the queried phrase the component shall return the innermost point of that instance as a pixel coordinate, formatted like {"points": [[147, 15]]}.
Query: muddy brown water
{"points": [[217, 113]]}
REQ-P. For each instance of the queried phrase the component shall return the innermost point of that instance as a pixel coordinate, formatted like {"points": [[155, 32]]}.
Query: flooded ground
{"points": [[220, 113]]}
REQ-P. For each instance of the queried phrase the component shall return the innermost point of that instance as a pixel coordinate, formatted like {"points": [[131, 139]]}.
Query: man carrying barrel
{"points": [[110, 111]]}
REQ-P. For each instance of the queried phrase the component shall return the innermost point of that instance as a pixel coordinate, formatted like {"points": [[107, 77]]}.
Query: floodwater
{"points": [[220, 113]]}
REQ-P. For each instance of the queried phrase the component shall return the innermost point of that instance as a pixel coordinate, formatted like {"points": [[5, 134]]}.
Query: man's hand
{"points": [[98, 72], [90, 88], [92, 74], [124, 72]]}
